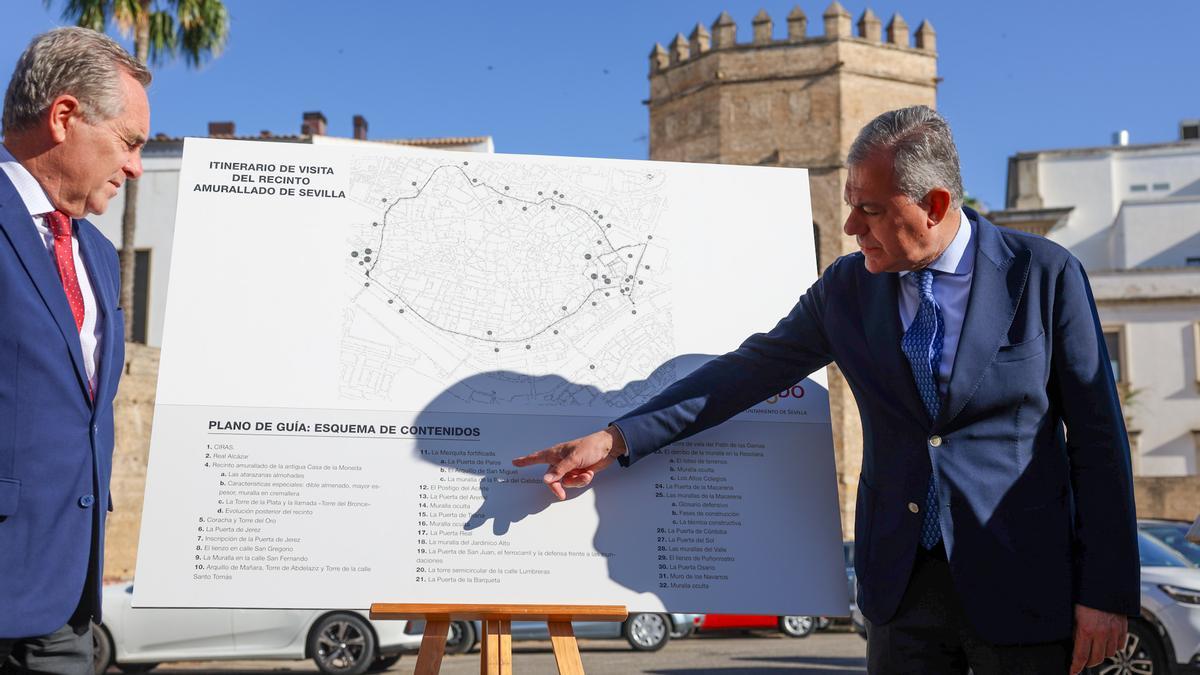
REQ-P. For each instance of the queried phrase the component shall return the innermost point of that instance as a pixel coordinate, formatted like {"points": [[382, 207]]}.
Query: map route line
{"points": [[631, 278]]}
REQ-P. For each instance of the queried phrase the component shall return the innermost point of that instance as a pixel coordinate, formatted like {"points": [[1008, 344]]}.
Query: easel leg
{"points": [[433, 647], [566, 649], [495, 649]]}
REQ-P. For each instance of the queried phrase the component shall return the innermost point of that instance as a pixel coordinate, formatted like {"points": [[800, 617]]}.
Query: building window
{"points": [[141, 295], [1137, 187], [1159, 187], [1114, 342], [1192, 261]]}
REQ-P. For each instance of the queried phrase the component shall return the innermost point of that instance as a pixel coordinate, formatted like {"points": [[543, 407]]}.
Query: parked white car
{"points": [[1166, 638], [340, 642]]}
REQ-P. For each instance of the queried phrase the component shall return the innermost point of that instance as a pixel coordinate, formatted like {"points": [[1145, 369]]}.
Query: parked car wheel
{"points": [[384, 663], [461, 637], [1142, 654], [824, 622], [342, 644], [102, 650], [797, 626], [647, 632]]}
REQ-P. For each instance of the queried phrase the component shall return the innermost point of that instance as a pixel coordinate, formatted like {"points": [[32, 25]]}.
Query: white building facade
{"points": [[1131, 214]]}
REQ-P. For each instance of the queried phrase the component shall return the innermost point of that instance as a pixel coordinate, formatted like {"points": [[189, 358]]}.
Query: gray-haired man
{"points": [[75, 119], [985, 538]]}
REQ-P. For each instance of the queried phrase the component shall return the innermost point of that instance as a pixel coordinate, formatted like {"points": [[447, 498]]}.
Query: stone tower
{"points": [[798, 101]]}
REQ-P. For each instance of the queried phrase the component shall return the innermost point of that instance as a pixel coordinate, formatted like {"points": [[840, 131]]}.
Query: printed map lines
{"points": [[373, 258]]}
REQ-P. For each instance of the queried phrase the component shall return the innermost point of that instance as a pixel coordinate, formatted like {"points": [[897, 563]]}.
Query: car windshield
{"points": [[1154, 553], [1175, 536]]}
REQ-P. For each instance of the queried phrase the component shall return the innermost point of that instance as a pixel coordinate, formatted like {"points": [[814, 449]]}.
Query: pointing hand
{"points": [[573, 464]]}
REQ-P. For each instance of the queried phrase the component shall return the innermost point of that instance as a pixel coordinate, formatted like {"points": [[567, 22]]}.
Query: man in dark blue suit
{"points": [[75, 119], [994, 523]]}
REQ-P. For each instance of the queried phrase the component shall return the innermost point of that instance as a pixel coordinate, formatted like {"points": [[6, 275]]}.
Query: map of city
{"points": [[506, 282]]}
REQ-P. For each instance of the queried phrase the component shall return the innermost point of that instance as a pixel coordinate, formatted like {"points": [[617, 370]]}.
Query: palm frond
{"points": [[86, 13]]}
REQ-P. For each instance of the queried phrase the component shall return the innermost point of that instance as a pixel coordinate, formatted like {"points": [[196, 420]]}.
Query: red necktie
{"points": [[64, 255]]}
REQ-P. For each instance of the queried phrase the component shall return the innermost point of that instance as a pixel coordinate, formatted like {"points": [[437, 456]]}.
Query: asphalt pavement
{"points": [[757, 653]]}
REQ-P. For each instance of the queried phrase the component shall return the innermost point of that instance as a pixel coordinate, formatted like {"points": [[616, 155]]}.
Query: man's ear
{"points": [[937, 205], [64, 112]]}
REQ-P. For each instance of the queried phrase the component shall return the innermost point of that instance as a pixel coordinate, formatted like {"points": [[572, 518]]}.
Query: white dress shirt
{"points": [[955, 268], [38, 204]]}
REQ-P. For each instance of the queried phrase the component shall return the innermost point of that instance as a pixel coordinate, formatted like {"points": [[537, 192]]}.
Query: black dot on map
{"points": [[640, 282], [489, 332], [556, 332], [361, 262], [593, 276], [649, 236], [587, 256], [561, 196], [633, 312], [551, 207], [524, 208], [414, 183], [539, 192], [390, 301], [499, 201], [556, 192], [401, 310], [564, 308], [606, 294], [367, 258], [595, 211], [354, 254], [465, 163], [505, 187], [384, 199], [528, 346], [647, 267], [598, 241], [366, 250], [366, 283], [474, 180], [496, 349], [593, 366], [602, 218]]}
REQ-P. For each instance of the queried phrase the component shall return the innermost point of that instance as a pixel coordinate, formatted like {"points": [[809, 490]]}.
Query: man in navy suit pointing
{"points": [[995, 523], [75, 119]]}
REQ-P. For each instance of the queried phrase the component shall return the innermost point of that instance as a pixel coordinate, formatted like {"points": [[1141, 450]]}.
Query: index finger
{"points": [[547, 456]]}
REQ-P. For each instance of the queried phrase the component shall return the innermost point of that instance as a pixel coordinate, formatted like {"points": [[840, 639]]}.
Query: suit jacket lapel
{"points": [[102, 284], [996, 289], [881, 322], [17, 223]]}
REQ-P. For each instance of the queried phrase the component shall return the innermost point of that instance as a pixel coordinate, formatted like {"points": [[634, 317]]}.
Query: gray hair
{"points": [[76, 61], [922, 148]]}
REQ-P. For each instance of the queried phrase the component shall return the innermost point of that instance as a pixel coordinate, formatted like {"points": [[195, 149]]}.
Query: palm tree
{"points": [[162, 30]]}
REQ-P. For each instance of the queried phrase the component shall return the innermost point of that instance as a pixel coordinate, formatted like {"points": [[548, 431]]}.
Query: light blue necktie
{"points": [[922, 344]]}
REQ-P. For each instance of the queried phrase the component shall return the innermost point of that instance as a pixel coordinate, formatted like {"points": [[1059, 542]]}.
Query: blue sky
{"points": [[569, 78]]}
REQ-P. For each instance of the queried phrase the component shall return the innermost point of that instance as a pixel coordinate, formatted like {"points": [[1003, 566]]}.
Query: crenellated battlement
{"points": [[838, 24]]}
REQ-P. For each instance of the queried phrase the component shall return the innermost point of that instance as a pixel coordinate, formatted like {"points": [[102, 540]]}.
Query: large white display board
{"points": [[358, 340]]}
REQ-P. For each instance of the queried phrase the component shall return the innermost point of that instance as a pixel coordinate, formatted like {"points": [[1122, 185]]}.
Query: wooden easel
{"points": [[495, 645]]}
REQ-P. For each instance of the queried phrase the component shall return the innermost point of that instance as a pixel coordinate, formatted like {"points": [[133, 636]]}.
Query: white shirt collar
{"points": [[31, 192], [958, 257]]}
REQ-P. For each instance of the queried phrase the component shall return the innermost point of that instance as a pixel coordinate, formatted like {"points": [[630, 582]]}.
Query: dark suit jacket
{"points": [[56, 444], [1033, 519]]}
